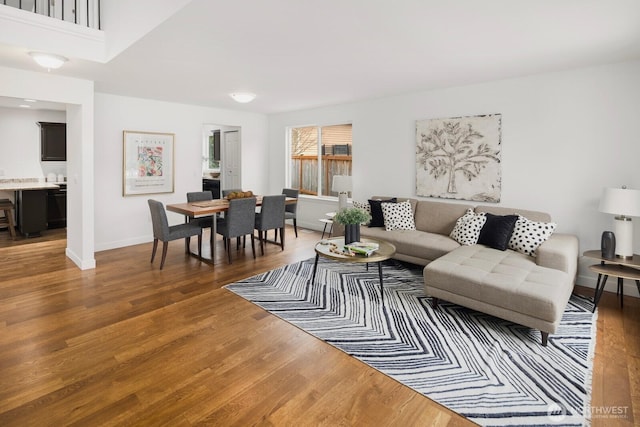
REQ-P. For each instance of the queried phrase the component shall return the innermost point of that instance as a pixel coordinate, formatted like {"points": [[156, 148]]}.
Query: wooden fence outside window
{"points": [[304, 172]]}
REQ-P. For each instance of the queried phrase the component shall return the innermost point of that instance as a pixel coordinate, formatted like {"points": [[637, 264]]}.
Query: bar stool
{"points": [[7, 219]]}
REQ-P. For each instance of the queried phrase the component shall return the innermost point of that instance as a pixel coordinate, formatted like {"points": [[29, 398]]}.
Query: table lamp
{"points": [[342, 185], [624, 203]]}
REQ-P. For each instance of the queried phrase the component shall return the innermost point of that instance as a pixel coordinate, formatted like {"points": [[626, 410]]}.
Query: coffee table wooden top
{"points": [[384, 252]]}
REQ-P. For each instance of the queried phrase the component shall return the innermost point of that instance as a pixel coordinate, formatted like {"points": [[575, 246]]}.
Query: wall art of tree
{"points": [[451, 149]]}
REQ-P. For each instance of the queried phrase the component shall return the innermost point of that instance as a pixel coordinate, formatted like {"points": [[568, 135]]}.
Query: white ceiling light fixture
{"points": [[243, 97], [48, 60]]}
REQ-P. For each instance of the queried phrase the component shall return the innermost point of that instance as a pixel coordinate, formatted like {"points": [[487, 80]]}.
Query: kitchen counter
{"points": [[32, 207], [19, 186]]}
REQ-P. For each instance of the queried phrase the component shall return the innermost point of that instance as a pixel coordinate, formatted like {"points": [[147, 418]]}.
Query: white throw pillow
{"points": [[398, 216], [528, 235], [467, 228], [364, 206]]}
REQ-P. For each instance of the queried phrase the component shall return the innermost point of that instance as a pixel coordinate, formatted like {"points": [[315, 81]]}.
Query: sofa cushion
{"points": [[506, 279], [438, 217], [528, 235], [398, 216], [499, 210], [497, 231], [377, 219], [422, 245], [468, 228]]}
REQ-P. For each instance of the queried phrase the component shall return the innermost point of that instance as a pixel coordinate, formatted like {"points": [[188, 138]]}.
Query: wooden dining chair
{"points": [[238, 221], [270, 217], [291, 208], [7, 220], [163, 232]]}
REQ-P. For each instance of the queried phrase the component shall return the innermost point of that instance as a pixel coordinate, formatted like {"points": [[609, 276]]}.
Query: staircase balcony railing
{"points": [[81, 12]]}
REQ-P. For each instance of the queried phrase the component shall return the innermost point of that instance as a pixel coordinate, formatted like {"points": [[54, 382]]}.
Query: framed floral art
{"points": [[147, 163]]}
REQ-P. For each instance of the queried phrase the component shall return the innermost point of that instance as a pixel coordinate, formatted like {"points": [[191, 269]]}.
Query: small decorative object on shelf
{"points": [[608, 244], [351, 218]]}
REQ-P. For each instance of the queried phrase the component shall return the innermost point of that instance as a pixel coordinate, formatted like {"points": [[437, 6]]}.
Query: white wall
{"points": [[565, 136], [77, 94], [20, 143], [122, 221]]}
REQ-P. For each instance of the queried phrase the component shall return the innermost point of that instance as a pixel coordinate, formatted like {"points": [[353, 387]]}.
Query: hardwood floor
{"points": [[128, 344]]}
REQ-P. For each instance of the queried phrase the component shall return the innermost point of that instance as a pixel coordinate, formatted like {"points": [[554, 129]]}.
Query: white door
{"points": [[231, 160]]}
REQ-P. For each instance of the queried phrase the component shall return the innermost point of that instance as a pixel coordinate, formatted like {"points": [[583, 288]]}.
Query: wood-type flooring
{"points": [[128, 344]]}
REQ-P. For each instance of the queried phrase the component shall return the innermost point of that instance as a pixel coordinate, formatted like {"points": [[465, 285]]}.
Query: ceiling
{"points": [[302, 54], [31, 104]]}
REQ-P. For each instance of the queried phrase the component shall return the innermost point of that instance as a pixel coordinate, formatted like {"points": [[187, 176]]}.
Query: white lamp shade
{"points": [[341, 183], [620, 201]]}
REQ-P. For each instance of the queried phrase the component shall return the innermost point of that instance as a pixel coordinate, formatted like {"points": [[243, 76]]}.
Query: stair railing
{"points": [[81, 12]]}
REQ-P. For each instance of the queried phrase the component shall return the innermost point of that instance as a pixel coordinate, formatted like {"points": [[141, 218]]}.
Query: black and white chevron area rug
{"points": [[489, 370]]}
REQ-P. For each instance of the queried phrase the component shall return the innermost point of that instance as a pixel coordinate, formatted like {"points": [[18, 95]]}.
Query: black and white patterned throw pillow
{"points": [[398, 216], [528, 235], [467, 228], [364, 206]]}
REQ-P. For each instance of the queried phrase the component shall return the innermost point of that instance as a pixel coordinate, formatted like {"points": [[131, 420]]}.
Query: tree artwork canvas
{"points": [[459, 158]]}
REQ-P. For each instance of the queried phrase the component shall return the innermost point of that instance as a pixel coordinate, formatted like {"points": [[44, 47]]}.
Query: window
{"points": [[317, 153]]}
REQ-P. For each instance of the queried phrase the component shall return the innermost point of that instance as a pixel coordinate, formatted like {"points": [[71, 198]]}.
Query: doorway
{"points": [[23, 120], [221, 156]]}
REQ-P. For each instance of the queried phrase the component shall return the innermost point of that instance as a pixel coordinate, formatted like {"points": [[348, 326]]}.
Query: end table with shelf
{"points": [[327, 222], [622, 268]]}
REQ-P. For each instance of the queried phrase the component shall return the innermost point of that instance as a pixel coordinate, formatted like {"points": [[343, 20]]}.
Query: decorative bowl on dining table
{"points": [[239, 195]]}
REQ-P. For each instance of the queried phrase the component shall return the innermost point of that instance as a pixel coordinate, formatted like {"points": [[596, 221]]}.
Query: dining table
{"points": [[211, 208]]}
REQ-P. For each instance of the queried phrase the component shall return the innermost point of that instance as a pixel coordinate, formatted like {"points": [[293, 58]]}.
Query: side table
{"points": [[616, 267], [328, 221]]}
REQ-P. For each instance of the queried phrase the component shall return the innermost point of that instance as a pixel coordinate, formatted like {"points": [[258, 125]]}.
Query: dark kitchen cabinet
{"points": [[32, 212], [57, 207], [53, 141], [216, 145], [212, 185]]}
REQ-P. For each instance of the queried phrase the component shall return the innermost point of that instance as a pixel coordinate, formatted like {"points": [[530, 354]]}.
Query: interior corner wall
{"points": [[77, 94], [123, 221], [565, 136]]}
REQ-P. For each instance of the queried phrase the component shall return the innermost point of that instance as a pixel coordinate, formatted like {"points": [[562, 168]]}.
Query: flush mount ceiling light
{"points": [[243, 97], [48, 60]]}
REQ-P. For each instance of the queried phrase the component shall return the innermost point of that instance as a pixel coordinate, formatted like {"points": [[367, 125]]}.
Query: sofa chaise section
{"points": [[505, 284]]}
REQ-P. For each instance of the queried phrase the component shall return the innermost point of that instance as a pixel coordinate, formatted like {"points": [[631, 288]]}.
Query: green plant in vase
{"points": [[351, 218]]}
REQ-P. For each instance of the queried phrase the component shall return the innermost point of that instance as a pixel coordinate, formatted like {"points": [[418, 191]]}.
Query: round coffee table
{"points": [[385, 251]]}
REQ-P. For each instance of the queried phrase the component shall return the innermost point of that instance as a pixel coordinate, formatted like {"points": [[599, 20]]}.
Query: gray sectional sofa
{"points": [[525, 289]]}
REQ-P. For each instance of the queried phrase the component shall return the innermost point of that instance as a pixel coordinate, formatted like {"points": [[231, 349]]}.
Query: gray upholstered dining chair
{"points": [[271, 217], [225, 193], [238, 221], [201, 196], [291, 208], [204, 222], [162, 231]]}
